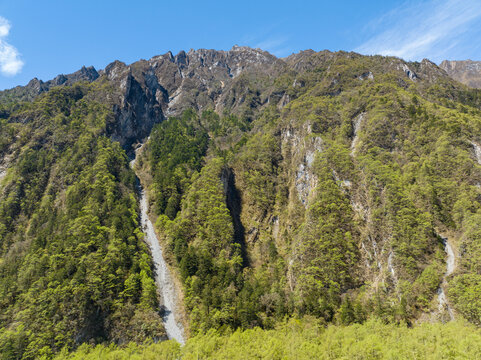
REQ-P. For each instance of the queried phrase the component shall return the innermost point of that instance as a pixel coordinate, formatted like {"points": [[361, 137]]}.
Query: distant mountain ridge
{"points": [[467, 72], [36, 87], [240, 80]]}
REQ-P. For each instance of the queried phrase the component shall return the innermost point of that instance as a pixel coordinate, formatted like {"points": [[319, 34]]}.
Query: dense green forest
{"points": [[73, 267], [307, 340], [309, 212]]}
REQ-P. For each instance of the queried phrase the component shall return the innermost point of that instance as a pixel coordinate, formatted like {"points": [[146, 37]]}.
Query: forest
{"points": [[307, 340]]}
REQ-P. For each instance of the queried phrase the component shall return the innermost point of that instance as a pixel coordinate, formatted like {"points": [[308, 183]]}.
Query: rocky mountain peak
{"points": [[36, 85], [84, 74], [239, 80], [467, 72], [181, 59], [114, 70]]}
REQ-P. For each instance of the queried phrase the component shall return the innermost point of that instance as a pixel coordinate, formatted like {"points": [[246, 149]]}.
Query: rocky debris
{"points": [[285, 99], [202, 79], [37, 86], [305, 181], [114, 70], [356, 127], [443, 304], [163, 278]]}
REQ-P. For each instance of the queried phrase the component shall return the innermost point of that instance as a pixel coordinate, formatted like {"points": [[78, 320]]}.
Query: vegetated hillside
{"points": [[322, 184], [337, 199], [305, 339], [73, 265], [467, 71]]}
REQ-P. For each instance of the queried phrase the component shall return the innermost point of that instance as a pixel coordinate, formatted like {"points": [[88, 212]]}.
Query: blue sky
{"points": [[44, 38]]}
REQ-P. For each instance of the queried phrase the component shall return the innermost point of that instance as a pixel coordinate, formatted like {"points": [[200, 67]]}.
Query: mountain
{"points": [[325, 185], [467, 72], [35, 87]]}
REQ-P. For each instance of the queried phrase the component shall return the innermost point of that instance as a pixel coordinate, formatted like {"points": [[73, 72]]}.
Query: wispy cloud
{"points": [[10, 62], [268, 39], [274, 45], [429, 29]]}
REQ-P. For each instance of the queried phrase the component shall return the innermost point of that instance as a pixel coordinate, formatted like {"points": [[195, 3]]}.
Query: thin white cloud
{"points": [[424, 29], [274, 45], [271, 43], [10, 62], [270, 38]]}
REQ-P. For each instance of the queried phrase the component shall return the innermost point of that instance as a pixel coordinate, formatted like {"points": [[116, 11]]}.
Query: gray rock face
{"points": [[137, 104], [202, 79], [148, 91], [467, 72], [409, 73]]}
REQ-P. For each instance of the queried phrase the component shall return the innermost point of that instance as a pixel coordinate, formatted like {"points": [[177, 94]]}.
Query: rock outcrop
{"points": [[467, 72]]}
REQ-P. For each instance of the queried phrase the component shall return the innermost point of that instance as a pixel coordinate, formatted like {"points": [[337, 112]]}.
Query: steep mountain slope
{"points": [[331, 206], [311, 185], [468, 72], [73, 264]]}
